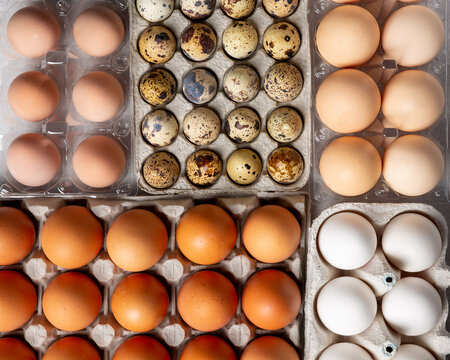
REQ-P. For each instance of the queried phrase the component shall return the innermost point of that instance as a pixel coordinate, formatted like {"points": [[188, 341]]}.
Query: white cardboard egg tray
{"points": [[381, 69], [172, 269], [219, 63], [379, 336], [65, 64]]}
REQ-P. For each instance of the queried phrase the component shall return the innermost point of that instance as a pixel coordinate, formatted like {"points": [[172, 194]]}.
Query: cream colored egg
{"points": [[281, 40], [241, 83], [244, 166], [240, 40], [201, 126]]}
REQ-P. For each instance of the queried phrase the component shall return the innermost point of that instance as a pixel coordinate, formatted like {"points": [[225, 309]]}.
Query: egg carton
{"points": [[172, 269], [219, 63], [380, 340], [65, 64], [380, 133]]}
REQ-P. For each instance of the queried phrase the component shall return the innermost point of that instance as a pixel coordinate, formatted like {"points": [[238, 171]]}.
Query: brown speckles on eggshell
{"points": [[198, 42], [161, 170], [201, 126], [280, 8], [284, 124], [241, 83], [240, 40], [157, 44], [242, 125], [158, 87], [285, 165], [237, 9], [203, 168], [281, 41], [197, 9], [283, 82]]}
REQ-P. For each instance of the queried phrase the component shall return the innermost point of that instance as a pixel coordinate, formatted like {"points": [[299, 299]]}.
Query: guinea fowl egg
{"points": [[160, 128], [198, 42], [208, 347], [203, 168], [345, 351], [155, 10], [244, 166], [242, 125], [197, 10], [140, 347], [269, 348], [412, 352], [15, 349], [157, 44], [201, 126], [161, 170], [71, 348], [240, 39]]}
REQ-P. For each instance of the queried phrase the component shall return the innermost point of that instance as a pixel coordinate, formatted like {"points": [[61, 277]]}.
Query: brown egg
{"points": [[141, 348], [271, 299], [18, 300], [140, 302], [207, 347], [207, 301], [82, 234], [71, 301], [15, 349], [269, 348], [71, 348], [137, 240], [33, 96], [17, 235], [271, 234], [206, 234]]}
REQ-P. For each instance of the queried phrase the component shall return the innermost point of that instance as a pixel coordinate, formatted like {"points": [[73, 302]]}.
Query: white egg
{"points": [[347, 306], [413, 306], [412, 242], [155, 10], [347, 240], [412, 352], [345, 351]]}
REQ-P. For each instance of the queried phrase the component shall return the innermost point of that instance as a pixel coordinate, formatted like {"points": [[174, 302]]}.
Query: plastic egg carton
{"points": [[172, 270], [380, 133], [379, 339], [65, 64], [219, 63]]}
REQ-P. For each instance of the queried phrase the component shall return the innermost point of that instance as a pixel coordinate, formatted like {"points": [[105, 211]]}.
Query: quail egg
{"points": [[240, 40], [242, 125], [285, 165], [280, 8], [284, 124], [160, 128], [155, 10], [199, 86], [244, 166], [158, 87], [281, 41], [161, 170], [197, 9], [283, 82], [198, 42], [201, 126], [203, 168], [241, 83], [237, 9], [157, 44]]}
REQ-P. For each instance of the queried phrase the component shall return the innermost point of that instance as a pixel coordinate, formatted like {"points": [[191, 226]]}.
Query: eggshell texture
{"points": [[15, 349], [241, 83], [351, 44], [207, 347], [71, 301], [240, 39], [158, 87], [345, 351], [350, 166], [141, 347], [413, 35], [285, 165], [18, 300], [33, 159], [197, 9], [161, 170], [242, 125], [244, 166], [157, 44], [98, 31], [269, 348], [140, 302], [281, 41], [271, 299], [17, 235], [412, 352], [203, 168], [237, 9], [160, 128], [146, 240], [82, 234], [280, 8], [99, 161], [199, 86], [198, 42], [413, 100], [207, 301], [201, 126], [33, 31], [284, 124], [283, 82], [413, 307], [155, 10], [33, 96], [71, 348], [348, 101], [413, 165]]}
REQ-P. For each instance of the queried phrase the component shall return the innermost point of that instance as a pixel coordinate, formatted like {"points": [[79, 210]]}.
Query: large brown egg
{"points": [[141, 347], [207, 347], [269, 348], [71, 348], [15, 349]]}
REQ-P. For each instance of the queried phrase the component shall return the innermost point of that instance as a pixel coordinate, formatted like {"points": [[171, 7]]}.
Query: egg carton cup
{"points": [[380, 340], [381, 133], [219, 63]]}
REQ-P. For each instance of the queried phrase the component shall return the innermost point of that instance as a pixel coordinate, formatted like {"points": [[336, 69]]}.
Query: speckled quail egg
{"points": [[284, 124], [242, 125], [201, 126], [244, 166], [157, 44], [281, 41], [158, 87], [160, 128], [198, 42], [197, 9], [240, 40], [237, 9], [241, 83], [280, 8], [199, 86], [285, 165], [155, 10], [161, 170], [283, 82], [203, 168]]}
